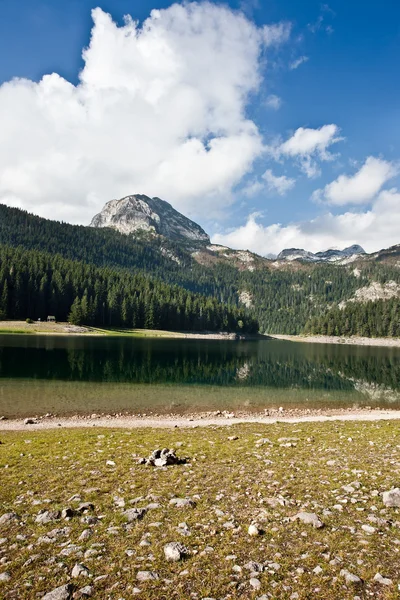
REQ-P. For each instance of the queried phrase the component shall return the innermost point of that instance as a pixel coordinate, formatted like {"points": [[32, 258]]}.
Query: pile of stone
{"points": [[163, 458]]}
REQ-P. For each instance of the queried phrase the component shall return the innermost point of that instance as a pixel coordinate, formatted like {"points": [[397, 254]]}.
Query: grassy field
{"points": [[42, 327], [265, 476]]}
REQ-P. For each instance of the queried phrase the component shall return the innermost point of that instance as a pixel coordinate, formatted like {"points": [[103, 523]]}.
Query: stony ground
{"points": [[80, 515]]}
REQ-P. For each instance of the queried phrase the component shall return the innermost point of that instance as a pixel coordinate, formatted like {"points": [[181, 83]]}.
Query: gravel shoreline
{"points": [[197, 420], [331, 339]]}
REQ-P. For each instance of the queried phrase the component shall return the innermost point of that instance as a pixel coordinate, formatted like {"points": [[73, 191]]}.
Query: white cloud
{"points": [[299, 61], [159, 110], [273, 101], [309, 145], [374, 229], [360, 188], [280, 184]]}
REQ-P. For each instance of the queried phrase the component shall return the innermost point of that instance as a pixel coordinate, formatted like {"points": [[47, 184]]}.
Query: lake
{"points": [[76, 375]]}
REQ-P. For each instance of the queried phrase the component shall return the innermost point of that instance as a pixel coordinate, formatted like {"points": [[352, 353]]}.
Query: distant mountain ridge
{"points": [[332, 255], [141, 213]]}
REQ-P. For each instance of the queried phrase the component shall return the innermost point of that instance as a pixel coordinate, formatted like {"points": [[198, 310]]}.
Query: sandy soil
{"points": [[215, 419], [331, 339]]}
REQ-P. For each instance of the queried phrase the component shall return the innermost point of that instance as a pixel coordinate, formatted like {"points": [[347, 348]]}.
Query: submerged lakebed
{"points": [[81, 375]]}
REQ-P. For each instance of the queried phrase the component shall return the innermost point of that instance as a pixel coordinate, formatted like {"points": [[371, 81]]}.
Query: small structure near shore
{"points": [[51, 319]]}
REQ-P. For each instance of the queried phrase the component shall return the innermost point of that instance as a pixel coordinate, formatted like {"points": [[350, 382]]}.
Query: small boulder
{"points": [[5, 576], [182, 502], [134, 514], [391, 498], [254, 530], [80, 570], [30, 422], [174, 551], [47, 516], [64, 592], [308, 519], [382, 580], [350, 577], [8, 517], [146, 576]]}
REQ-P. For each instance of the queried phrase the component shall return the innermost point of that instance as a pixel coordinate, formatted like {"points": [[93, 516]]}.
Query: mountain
{"points": [[333, 255], [285, 296], [141, 213]]}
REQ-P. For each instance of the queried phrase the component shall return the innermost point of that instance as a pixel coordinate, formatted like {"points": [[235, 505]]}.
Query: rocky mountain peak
{"points": [[141, 213], [331, 255]]}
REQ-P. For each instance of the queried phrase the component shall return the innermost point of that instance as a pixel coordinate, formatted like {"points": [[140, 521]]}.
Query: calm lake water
{"points": [[70, 375]]}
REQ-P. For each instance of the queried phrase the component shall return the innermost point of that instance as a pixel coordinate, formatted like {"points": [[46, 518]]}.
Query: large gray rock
{"points": [[308, 519], [182, 502], [141, 213], [146, 576], [391, 498], [80, 570], [47, 516], [64, 592], [8, 518], [175, 551], [134, 514]]}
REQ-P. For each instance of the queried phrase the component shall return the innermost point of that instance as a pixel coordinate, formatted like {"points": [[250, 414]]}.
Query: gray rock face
{"points": [[141, 213], [64, 592], [391, 497], [48, 516]]}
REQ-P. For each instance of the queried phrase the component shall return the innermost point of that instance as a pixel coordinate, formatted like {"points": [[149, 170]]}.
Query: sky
{"points": [[272, 123]]}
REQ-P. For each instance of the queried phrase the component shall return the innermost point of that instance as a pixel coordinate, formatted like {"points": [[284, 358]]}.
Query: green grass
{"points": [[44, 469]]}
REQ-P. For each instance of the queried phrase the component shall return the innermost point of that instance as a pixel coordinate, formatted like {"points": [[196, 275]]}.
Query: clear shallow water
{"points": [[69, 375]]}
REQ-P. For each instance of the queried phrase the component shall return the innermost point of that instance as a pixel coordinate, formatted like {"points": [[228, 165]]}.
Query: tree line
{"points": [[380, 318], [36, 284]]}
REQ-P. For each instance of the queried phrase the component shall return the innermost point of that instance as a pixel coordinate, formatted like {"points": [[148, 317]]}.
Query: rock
{"points": [[368, 529], [139, 212], [67, 513], [30, 422], [391, 498], [350, 577], [382, 580], [5, 576], [308, 519], [174, 551], [80, 571], [255, 583], [254, 530], [254, 567], [317, 570], [110, 463], [134, 514], [64, 592], [85, 592], [85, 507], [47, 516], [85, 535], [164, 458], [146, 576], [8, 517], [182, 502]]}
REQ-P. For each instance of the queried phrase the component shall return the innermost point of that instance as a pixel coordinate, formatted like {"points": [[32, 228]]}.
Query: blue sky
{"points": [[261, 186]]}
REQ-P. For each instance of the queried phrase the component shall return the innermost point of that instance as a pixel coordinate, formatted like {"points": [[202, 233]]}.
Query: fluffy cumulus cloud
{"points": [[159, 109], [307, 146], [360, 188], [280, 184], [374, 229]]}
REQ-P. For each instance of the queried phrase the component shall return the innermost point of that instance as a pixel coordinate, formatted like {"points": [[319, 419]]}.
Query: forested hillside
{"points": [[35, 284], [284, 297]]}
